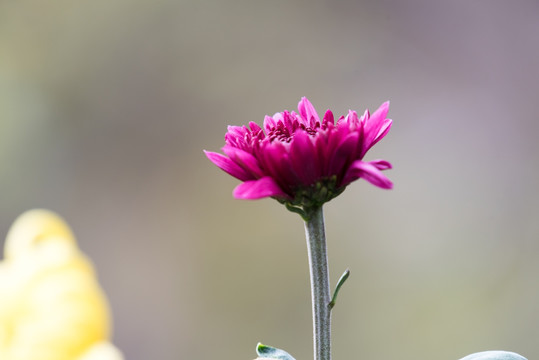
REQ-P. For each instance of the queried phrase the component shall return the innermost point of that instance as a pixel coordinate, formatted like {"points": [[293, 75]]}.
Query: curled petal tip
{"points": [[370, 171], [382, 164]]}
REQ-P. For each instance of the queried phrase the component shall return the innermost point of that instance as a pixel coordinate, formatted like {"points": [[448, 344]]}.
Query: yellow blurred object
{"points": [[51, 305]]}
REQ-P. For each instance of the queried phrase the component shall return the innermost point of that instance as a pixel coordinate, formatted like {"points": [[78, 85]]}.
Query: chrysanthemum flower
{"points": [[303, 161], [51, 304]]}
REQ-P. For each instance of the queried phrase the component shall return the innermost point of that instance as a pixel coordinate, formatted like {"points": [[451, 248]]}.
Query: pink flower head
{"points": [[303, 161]]}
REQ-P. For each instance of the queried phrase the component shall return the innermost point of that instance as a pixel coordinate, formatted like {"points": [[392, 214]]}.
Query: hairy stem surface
{"points": [[318, 263]]}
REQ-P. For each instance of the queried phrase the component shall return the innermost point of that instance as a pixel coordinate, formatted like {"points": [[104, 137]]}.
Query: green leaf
{"points": [[494, 355], [339, 284], [268, 352]]}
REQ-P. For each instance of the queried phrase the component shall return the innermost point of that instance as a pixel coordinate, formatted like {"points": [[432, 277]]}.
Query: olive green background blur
{"points": [[106, 106]]}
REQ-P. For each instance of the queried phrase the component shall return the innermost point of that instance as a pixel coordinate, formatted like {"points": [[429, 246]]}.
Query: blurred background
{"points": [[106, 106]]}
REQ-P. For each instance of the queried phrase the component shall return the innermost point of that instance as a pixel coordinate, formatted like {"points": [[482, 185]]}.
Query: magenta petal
{"points": [[245, 160], [321, 146], [274, 159], [254, 126], [326, 143], [303, 158], [269, 155], [352, 119], [228, 166], [257, 189], [328, 118], [386, 125], [236, 132], [376, 127], [269, 123], [381, 113], [235, 135], [344, 154], [384, 129], [308, 112], [368, 171]]}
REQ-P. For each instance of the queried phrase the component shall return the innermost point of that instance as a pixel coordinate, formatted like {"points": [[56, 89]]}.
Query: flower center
{"points": [[308, 130], [284, 134], [280, 133]]}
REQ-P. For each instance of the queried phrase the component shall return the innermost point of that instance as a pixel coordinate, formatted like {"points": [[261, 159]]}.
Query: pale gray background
{"points": [[106, 105]]}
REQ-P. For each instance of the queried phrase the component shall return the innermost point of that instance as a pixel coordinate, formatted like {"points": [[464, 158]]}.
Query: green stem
{"points": [[318, 263]]}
